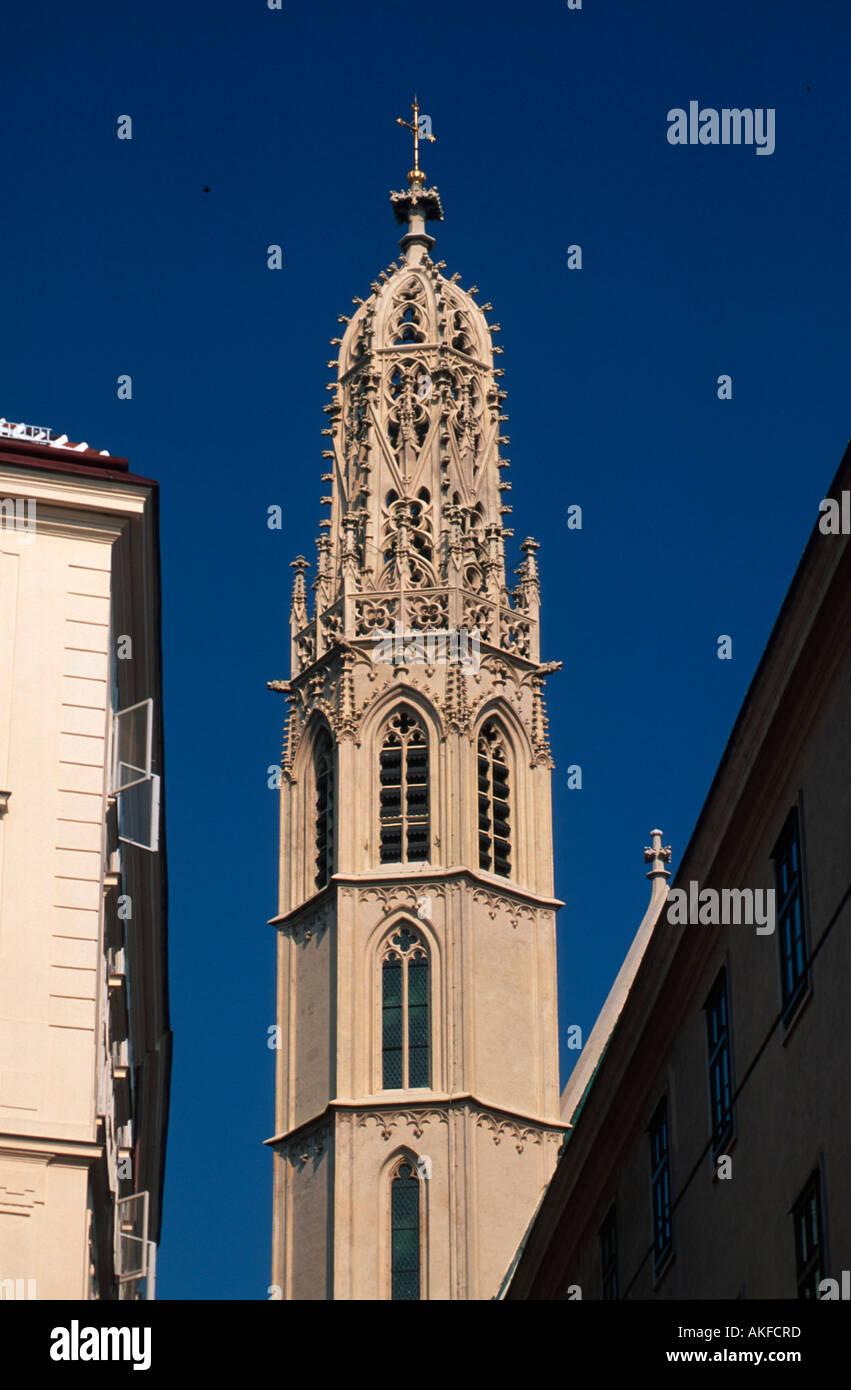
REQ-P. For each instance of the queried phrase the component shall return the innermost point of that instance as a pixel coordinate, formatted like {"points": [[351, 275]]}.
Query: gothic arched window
{"points": [[404, 1012], [405, 1240], [323, 766], [403, 812], [494, 822]]}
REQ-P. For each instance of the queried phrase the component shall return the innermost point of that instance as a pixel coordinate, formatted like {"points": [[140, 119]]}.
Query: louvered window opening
{"points": [[324, 766], [404, 807], [494, 810]]}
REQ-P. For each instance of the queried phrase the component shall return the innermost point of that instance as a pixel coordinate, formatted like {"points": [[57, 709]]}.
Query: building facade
{"points": [[709, 1144], [417, 1079], [85, 1045]]}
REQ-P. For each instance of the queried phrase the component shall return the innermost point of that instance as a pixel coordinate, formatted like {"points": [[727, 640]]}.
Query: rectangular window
{"points": [[720, 1064], [139, 814], [609, 1255], [791, 920], [132, 1246], [132, 782], [809, 1239], [660, 1185], [132, 745]]}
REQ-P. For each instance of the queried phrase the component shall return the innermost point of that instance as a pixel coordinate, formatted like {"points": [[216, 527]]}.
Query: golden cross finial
{"points": [[414, 127]]}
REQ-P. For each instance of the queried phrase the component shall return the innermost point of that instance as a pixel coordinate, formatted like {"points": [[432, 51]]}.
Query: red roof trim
{"points": [[87, 465]]}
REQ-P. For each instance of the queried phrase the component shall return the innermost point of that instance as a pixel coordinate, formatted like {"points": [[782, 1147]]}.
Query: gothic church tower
{"points": [[417, 1080]]}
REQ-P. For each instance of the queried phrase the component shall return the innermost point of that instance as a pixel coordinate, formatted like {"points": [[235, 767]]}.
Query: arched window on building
{"points": [[404, 1011], [494, 806], [405, 1234], [403, 812], [323, 766]]}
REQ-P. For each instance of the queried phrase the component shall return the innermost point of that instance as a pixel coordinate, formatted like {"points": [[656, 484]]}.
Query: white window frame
{"points": [[152, 841], [138, 1232], [117, 785]]}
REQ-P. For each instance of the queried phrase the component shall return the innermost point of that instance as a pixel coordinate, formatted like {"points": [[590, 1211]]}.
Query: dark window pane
{"points": [[720, 1086], [791, 936], [660, 1184], [324, 770], [391, 981], [809, 1255], [417, 846], [391, 845], [609, 1256], [405, 1236], [418, 1032]]}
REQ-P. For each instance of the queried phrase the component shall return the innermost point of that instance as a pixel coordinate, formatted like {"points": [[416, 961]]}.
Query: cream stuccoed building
{"points": [[85, 1042], [417, 1099]]}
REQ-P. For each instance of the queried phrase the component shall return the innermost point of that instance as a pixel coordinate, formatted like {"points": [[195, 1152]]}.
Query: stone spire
{"points": [[417, 528]]}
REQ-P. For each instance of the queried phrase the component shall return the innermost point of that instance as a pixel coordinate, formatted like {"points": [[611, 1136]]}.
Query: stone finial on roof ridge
{"points": [[657, 856]]}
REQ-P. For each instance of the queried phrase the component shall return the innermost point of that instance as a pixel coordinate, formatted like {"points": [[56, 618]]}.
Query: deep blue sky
{"points": [[551, 129]]}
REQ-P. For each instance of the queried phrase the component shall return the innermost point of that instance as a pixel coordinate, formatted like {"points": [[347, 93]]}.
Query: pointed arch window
{"points": [[404, 1012], [323, 765], [405, 1234], [404, 803], [494, 802]]}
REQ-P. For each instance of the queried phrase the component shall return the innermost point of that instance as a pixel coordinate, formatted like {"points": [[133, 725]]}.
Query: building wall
{"points": [[732, 1237], [54, 718], [62, 1117], [490, 1142]]}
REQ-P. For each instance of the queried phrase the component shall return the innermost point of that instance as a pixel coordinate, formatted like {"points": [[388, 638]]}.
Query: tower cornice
{"points": [[424, 876], [435, 1102]]}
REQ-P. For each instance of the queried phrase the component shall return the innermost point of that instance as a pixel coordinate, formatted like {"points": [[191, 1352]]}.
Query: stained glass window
{"points": [[405, 1011], [405, 1234]]}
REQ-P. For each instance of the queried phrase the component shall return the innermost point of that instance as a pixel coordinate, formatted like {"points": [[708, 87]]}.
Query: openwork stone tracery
{"points": [[414, 465]]}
